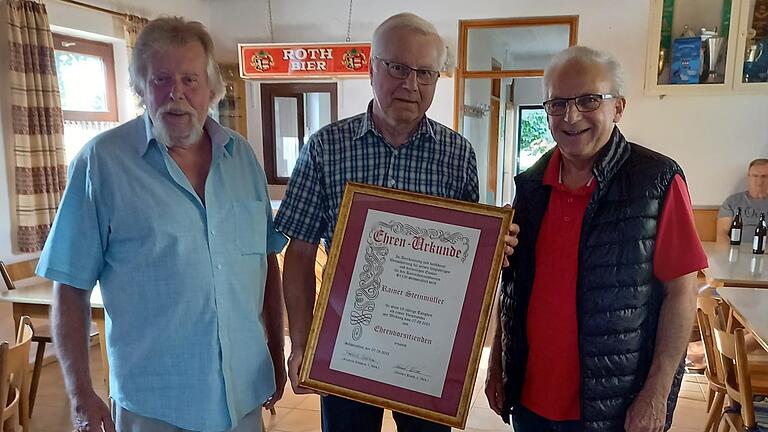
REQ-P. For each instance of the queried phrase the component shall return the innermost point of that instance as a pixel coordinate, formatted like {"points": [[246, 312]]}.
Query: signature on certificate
{"points": [[361, 357], [411, 369]]}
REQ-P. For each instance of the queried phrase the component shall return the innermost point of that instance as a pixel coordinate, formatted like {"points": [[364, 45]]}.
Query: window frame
{"points": [[268, 93], [518, 140], [104, 51]]}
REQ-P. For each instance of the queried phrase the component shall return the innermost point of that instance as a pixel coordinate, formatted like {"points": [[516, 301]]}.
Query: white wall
{"points": [[712, 137], [528, 91]]}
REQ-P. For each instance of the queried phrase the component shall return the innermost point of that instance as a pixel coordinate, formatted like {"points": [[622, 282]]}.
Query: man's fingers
{"points": [[93, 416], [269, 403], [494, 404], [294, 375], [109, 425], [495, 397]]}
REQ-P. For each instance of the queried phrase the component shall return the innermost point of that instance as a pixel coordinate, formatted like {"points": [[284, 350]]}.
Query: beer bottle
{"points": [[758, 242], [736, 226]]}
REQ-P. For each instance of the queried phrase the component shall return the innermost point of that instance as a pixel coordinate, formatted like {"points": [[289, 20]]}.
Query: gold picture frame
{"points": [[420, 247]]}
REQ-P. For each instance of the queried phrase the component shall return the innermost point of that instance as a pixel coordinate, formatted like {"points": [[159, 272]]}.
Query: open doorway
{"points": [[494, 140], [496, 59]]}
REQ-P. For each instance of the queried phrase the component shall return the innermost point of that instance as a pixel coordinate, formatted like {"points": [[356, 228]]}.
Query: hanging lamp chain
{"points": [[269, 15], [349, 22]]}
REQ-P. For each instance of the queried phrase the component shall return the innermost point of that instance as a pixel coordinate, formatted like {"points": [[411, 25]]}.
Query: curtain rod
{"points": [[96, 8]]}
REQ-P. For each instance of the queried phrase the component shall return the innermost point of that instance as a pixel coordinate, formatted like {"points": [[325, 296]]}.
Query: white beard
{"points": [[162, 134]]}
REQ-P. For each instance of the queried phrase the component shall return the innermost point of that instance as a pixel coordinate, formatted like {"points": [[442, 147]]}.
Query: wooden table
{"points": [[735, 266], [749, 306], [34, 296]]}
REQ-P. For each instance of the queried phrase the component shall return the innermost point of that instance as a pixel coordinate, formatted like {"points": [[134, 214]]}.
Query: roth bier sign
{"points": [[304, 60]]}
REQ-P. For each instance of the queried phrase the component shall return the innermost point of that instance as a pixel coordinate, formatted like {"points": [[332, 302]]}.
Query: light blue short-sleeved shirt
{"points": [[182, 282]]}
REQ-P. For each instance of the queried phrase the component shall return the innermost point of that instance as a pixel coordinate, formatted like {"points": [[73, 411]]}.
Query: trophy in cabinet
{"points": [[713, 49], [756, 61]]}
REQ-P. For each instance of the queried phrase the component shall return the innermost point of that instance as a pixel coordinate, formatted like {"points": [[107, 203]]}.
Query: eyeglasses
{"points": [[584, 103], [401, 72]]}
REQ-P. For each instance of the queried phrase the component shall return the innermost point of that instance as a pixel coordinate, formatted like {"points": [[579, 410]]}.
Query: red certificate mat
{"points": [[405, 302]]}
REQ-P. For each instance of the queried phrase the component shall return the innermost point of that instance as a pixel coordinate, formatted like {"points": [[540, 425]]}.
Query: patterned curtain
{"points": [[132, 26], [38, 145]]}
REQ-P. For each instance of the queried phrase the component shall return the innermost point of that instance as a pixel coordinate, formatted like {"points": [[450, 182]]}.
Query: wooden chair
{"points": [[740, 385], [16, 272], [711, 313], [706, 313], [14, 386]]}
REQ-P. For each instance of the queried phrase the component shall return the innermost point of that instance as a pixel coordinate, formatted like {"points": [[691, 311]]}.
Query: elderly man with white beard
{"points": [[169, 213]]}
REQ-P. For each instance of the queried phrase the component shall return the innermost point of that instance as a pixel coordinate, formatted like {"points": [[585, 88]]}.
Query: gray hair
{"points": [[587, 55], [163, 33], [409, 21]]}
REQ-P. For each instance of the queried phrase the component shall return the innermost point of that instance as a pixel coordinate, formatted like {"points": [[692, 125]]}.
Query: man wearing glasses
{"points": [[597, 304], [393, 144]]}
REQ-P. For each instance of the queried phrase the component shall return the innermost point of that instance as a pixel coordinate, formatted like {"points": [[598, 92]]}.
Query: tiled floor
{"points": [[302, 413]]}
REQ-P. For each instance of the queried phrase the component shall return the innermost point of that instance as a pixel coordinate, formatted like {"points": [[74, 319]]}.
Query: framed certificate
{"points": [[405, 302]]}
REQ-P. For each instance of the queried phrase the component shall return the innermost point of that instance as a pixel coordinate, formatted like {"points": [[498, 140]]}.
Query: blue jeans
{"points": [[344, 415], [525, 420]]}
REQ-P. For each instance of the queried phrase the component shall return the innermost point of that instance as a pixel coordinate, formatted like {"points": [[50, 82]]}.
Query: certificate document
{"points": [[404, 303]]}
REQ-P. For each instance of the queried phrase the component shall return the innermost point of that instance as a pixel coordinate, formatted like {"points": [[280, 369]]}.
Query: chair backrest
{"points": [[733, 353], [14, 362], [707, 311], [17, 271], [705, 220]]}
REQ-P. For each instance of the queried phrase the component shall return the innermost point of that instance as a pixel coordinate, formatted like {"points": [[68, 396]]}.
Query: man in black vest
{"points": [[598, 302]]}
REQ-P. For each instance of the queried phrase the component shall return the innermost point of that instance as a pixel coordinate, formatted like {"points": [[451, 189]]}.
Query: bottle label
{"points": [[758, 244], [736, 234]]}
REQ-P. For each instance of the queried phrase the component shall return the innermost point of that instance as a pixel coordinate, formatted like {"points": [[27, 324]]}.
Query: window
{"points": [[533, 136], [86, 71], [86, 74], [290, 114]]}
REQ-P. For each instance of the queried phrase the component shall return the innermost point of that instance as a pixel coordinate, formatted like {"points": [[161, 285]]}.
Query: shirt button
{"points": [[218, 267], [570, 200], [567, 218], [213, 232]]}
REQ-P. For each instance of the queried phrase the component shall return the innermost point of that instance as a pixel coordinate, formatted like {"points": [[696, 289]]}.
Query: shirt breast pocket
{"points": [[250, 227]]}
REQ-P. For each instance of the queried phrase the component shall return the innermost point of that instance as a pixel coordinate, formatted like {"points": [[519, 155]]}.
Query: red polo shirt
{"points": [[552, 378]]}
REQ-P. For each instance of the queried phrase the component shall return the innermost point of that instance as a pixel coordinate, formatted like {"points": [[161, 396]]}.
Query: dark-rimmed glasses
{"points": [[584, 103], [401, 72]]}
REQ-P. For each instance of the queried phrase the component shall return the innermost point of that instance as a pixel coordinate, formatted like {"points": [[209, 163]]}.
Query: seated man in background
{"points": [[752, 202]]}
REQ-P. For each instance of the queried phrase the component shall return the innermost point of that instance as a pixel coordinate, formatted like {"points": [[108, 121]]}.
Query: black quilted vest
{"points": [[618, 297]]}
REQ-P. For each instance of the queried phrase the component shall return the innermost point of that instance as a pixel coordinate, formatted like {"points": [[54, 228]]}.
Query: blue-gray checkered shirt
{"points": [[435, 161]]}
